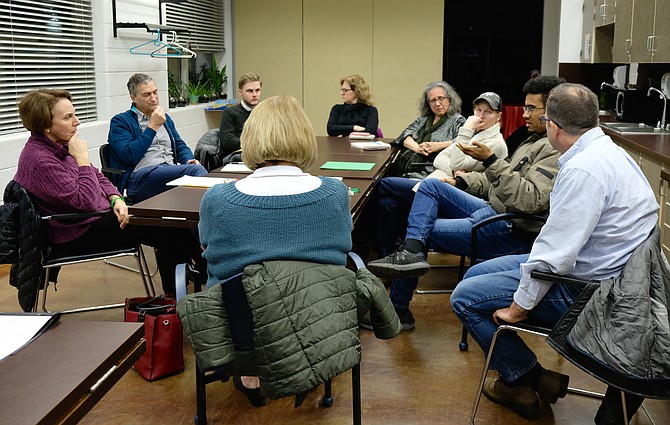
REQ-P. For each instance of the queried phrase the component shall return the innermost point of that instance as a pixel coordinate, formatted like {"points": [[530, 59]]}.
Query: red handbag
{"points": [[164, 355]]}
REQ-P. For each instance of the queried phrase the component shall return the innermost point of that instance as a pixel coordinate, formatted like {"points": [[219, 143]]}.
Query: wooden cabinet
{"points": [[641, 31], [665, 212], [651, 168], [660, 42], [597, 31], [658, 176], [605, 12], [622, 32]]}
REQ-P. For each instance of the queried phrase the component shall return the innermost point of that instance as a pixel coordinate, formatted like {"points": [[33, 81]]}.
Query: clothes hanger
{"points": [[163, 50], [185, 51]]}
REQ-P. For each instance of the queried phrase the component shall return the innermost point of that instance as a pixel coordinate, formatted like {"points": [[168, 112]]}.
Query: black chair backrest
{"points": [[240, 320], [105, 155]]}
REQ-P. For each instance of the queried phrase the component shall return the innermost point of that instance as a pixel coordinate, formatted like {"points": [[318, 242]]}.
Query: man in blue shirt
{"points": [[145, 144], [602, 208]]}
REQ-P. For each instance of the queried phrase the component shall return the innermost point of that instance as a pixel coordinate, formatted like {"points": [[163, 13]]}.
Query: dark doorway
{"points": [[491, 45]]}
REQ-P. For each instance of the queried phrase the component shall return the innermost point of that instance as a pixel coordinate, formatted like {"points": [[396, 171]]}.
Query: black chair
{"points": [[651, 388], [109, 172], [106, 169], [531, 330], [241, 328], [50, 260], [207, 150], [463, 344]]}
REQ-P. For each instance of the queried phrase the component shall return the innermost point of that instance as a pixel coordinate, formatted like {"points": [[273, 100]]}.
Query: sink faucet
{"points": [[603, 84], [665, 104]]}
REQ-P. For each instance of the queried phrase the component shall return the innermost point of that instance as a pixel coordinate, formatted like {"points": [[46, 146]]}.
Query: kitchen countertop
{"points": [[655, 146], [652, 145]]}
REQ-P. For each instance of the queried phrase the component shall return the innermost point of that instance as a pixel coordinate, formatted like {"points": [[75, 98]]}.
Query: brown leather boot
{"points": [[552, 386], [522, 399]]}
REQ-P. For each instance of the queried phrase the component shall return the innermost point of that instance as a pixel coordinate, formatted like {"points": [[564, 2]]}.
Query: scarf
{"points": [[430, 127]]}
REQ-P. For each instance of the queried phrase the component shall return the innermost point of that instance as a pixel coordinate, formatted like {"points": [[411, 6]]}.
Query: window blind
{"points": [[45, 43], [204, 19]]}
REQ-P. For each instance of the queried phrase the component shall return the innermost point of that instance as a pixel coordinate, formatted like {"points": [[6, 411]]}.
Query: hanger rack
{"points": [[163, 49], [150, 28]]}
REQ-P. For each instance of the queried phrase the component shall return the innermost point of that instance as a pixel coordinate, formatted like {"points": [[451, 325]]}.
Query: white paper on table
{"points": [[370, 146], [196, 181], [236, 167], [18, 330]]}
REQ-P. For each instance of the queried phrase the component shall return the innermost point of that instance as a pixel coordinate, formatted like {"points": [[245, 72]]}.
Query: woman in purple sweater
{"points": [[55, 169]]}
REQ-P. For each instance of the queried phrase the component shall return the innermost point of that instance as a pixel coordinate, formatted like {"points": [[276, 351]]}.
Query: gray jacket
{"points": [[622, 334]]}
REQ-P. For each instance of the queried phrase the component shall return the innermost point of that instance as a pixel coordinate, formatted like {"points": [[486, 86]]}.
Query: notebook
{"points": [[370, 146]]}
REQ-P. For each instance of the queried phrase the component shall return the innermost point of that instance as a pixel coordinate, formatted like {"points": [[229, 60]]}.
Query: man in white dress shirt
{"points": [[602, 208]]}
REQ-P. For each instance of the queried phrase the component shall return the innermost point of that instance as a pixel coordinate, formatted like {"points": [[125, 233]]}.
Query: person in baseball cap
{"points": [[491, 98]]}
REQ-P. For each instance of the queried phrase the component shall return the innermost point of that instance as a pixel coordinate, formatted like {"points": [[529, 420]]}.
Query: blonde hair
{"points": [[360, 87], [278, 130], [249, 77]]}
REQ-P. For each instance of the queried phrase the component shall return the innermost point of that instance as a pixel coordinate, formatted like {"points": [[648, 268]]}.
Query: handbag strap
{"points": [[151, 301]]}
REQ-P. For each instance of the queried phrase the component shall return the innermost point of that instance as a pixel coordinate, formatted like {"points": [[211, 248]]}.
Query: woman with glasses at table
{"points": [[356, 113], [434, 130]]}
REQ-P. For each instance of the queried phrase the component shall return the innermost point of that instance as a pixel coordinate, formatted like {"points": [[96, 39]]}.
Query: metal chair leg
{"points": [[200, 396], [487, 362], [356, 393], [132, 269], [146, 281], [143, 266]]}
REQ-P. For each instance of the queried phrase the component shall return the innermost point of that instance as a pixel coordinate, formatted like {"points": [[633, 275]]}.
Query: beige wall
{"points": [[268, 41], [304, 47]]}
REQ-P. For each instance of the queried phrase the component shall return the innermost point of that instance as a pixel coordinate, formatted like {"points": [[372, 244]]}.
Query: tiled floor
{"points": [[418, 378]]}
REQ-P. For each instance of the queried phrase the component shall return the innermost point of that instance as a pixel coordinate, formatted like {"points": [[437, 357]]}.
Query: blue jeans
{"points": [[392, 200], [489, 286], [442, 217], [149, 181]]}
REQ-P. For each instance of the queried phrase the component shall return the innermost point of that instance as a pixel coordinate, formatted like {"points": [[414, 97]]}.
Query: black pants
{"points": [[610, 411], [173, 245]]}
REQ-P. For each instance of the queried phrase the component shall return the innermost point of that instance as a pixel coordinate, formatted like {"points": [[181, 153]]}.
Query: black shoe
{"points": [[300, 397], [522, 399], [552, 386], [406, 320], [365, 322], [400, 264], [254, 395]]}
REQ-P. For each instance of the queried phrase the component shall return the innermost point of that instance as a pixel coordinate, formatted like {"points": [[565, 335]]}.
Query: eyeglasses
{"points": [[531, 109], [544, 120], [345, 90], [437, 100]]}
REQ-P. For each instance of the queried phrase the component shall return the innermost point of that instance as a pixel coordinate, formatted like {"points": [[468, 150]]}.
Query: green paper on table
{"points": [[358, 166]]}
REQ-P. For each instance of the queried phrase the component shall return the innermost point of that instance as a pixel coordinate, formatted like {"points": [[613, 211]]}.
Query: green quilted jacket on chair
{"points": [[305, 323]]}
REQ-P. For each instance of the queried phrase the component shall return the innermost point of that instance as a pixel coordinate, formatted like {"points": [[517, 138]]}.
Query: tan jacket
{"points": [[521, 183]]}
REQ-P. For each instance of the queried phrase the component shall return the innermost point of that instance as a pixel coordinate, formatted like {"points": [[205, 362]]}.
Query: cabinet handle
{"points": [[602, 11], [627, 45], [652, 39]]}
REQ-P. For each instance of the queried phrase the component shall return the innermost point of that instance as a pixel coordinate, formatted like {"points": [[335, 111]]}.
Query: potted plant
{"points": [[195, 90], [214, 77], [173, 90]]}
